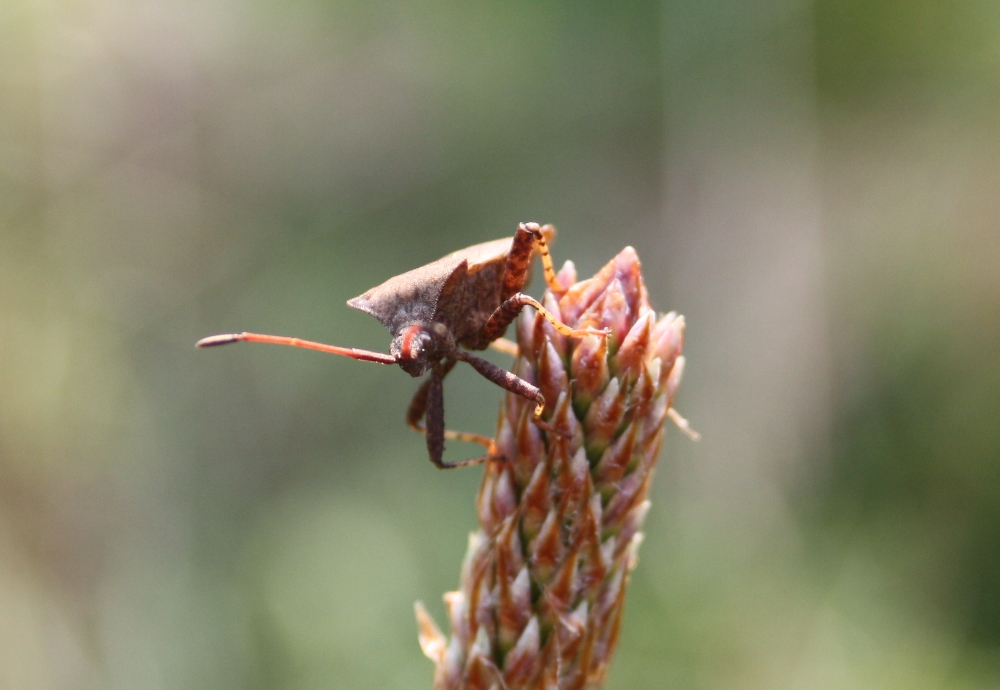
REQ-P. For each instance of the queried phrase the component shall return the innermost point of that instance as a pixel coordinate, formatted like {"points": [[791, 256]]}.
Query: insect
{"points": [[465, 300]]}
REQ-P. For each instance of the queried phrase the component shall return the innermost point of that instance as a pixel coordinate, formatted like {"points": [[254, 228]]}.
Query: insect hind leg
{"points": [[528, 239], [545, 233]]}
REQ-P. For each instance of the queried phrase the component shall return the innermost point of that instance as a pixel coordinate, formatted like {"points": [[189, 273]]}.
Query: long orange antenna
{"points": [[353, 353]]}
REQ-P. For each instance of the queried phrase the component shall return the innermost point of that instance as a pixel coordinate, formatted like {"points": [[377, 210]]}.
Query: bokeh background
{"points": [[814, 184]]}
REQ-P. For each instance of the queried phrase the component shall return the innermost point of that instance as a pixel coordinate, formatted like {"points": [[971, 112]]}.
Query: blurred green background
{"points": [[814, 184]]}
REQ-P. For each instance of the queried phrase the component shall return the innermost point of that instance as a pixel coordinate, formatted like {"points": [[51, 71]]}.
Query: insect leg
{"points": [[508, 311], [507, 347], [513, 383], [515, 273], [418, 408], [429, 401], [435, 418], [528, 238], [547, 231]]}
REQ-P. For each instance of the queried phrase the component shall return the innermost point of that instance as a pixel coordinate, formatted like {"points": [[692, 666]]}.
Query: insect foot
{"points": [[542, 587]]}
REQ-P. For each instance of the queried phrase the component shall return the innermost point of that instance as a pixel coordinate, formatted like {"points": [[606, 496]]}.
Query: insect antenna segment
{"points": [[352, 352]]}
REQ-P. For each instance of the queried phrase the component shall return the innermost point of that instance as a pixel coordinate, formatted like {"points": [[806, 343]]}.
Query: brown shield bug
{"points": [[464, 300]]}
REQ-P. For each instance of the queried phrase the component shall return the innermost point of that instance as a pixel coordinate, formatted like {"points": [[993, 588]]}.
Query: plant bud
{"points": [[544, 579]]}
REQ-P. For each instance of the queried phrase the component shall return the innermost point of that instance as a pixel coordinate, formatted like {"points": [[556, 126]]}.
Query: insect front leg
{"points": [[510, 308], [418, 409], [428, 402], [514, 384]]}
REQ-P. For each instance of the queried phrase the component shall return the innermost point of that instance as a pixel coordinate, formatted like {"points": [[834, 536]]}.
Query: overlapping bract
{"points": [[543, 582]]}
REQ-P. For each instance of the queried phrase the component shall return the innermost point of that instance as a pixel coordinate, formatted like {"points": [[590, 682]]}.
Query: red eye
{"points": [[406, 351]]}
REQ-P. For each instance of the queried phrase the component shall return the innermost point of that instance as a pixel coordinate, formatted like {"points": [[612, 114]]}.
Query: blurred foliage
{"points": [[912, 478], [812, 184], [868, 52]]}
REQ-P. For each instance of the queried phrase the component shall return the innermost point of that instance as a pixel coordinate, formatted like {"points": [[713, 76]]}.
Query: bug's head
{"points": [[414, 350]]}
